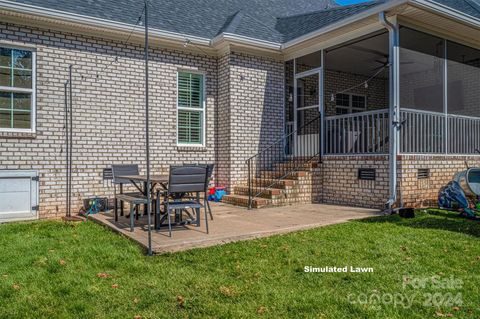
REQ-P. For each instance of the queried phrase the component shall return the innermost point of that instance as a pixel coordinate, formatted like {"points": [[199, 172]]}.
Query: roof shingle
{"points": [[269, 20]]}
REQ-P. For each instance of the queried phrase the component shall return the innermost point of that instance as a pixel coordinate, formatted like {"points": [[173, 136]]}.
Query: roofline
{"points": [[87, 20], [225, 36], [356, 17], [423, 4], [446, 11], [230, 37]]}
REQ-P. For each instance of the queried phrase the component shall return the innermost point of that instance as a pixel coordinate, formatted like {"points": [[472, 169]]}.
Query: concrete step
{"points": [[242, 200], [269, 193]]}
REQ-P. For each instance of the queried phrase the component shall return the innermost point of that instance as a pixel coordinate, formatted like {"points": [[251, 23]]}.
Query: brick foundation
{"points": [[414, 192]]}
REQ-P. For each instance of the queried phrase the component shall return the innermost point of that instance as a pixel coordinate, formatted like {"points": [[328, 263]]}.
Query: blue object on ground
{"points": [[217, 196], [453, 197]]}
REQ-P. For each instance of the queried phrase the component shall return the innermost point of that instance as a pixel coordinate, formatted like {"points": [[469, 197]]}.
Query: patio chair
{"points": [[122, 170], [210, 168], [182, 180]]}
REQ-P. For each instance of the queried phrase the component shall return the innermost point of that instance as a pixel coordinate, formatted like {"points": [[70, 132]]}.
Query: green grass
{"points": [[50, 269]]}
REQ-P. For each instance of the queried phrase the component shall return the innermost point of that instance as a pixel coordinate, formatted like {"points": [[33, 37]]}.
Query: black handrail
{"points": [[282, 158]]}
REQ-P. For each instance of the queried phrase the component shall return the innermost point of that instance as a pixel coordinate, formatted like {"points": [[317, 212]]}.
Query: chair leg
{"points": [[115, 204], [169, 222], [157, 212], [206, 214], [121, 202], [131, 217]]}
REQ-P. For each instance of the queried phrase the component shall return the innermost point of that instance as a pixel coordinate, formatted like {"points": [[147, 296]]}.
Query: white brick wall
{"points": [[108, 112]]}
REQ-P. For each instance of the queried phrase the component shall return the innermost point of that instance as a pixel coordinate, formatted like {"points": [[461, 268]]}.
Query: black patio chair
{"points": [[122, 170], [182, 180]]}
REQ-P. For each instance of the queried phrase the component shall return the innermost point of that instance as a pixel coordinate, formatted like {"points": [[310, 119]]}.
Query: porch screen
{"points": [[191, 108]]}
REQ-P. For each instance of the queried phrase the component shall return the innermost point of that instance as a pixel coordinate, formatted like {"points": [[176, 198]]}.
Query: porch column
{"points": [[394, 105]]}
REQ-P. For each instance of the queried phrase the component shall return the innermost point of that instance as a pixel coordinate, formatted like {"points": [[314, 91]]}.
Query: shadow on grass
{"points": [[433, 219]]}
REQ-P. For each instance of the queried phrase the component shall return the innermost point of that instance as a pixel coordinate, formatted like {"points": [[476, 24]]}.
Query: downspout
{"points": [[393, 106]]}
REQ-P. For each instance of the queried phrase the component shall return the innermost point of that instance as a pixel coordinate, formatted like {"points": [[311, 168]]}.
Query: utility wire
{"points": [[364, 82], [98, 73]]}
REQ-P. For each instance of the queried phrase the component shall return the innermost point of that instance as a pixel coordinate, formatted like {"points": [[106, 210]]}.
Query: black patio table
{"points": [[155, 180]]}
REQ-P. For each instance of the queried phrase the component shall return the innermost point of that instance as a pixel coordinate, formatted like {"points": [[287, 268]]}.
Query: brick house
{"points": [[371, 105]]}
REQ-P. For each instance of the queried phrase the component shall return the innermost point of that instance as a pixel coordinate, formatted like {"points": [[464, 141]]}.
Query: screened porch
{"points": [[347, 88]]}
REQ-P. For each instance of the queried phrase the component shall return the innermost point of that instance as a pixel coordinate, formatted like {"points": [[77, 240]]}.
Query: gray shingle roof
{"points": [[294, 26], [269, 20]]}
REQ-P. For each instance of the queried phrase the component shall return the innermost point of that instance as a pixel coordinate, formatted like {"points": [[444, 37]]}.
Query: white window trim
{"points": [[33, 91], [203, 110], [350, 107]]}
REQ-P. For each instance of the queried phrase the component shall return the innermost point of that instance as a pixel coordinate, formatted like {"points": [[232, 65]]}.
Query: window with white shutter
{"points": [[191, 109]]}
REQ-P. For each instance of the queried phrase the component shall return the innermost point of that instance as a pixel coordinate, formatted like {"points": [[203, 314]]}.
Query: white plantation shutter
{"points": [[190, 108]]}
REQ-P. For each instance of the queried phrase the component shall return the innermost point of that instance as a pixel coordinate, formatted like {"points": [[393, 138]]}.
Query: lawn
{"points": [[427, 267]]}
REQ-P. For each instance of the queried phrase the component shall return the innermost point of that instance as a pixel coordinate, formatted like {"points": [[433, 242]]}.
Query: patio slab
{"points": [[232, 223]]}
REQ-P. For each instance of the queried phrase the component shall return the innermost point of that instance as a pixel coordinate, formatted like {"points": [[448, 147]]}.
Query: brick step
{"points": [[270, 193], [242, 200], [297, 166], [274, 183], [292, 175]]}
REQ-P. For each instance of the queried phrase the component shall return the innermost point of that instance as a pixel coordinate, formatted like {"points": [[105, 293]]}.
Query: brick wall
{"points": [[223, 122], [336, 181], [244, 99], [108, 112], [376, 93], [416, 192], [256, 108]]}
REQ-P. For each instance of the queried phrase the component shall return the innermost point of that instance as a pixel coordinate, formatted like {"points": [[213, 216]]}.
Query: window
{"points": [[191, 109], [350, 103], [17, 95]]}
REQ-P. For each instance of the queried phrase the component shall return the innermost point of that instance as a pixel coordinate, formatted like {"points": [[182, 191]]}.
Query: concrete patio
{"points": [[232, 223]]}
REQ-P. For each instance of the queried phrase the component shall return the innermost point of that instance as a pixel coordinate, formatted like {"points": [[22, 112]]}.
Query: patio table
{"points": [[155, 180]]}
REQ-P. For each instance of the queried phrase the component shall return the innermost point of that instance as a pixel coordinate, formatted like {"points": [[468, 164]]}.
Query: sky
{"points": [[347, 2]]}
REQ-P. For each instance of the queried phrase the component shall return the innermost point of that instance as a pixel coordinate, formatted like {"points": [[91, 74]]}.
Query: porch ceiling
{"points": [[440, 25]]}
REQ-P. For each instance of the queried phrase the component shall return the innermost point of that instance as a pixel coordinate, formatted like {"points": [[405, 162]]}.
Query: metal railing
{"points": [[463, 135], [282, 158], [357, 133], [425, 132], [422, 132]]}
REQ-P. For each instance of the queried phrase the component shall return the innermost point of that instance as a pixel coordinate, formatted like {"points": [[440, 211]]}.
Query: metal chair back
{"points": [[187, 179], [122, 170]]}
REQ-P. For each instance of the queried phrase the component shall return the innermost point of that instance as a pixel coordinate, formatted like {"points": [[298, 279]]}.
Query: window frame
{"points": [[32, 91], [350, 106], [202, 110]]}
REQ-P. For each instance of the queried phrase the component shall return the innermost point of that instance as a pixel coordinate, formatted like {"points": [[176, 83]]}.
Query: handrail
{"points": [[275, 160]]}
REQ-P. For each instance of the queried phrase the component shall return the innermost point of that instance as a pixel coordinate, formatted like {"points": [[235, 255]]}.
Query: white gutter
{"points": [[246, 40], [394, 105], [96, 22]]}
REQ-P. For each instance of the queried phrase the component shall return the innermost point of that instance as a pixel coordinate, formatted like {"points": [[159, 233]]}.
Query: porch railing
{"points": [[357, 133], [282, 158], [425, 132], [422, 132]]}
